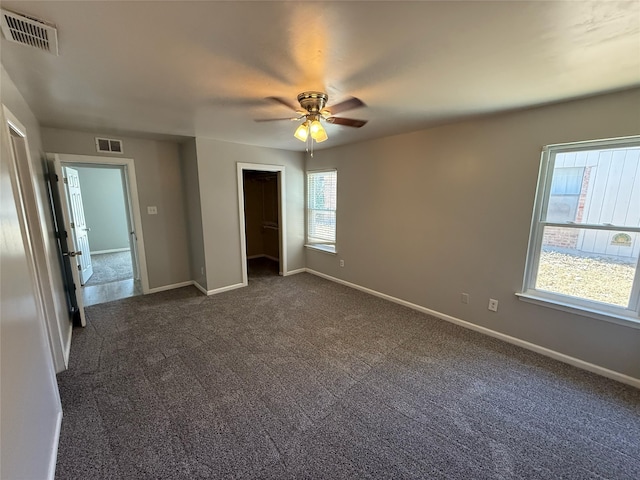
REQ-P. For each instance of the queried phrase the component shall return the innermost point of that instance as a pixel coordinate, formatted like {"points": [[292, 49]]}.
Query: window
{"points": [[321, 210], [585, 234]]}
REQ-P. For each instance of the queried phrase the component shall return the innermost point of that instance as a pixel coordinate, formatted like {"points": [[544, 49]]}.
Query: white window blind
{"points": [[321, 207]]}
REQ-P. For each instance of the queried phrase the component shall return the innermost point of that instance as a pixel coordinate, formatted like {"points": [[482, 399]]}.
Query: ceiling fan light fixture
{"points": [[317, 131], [302, 132]]}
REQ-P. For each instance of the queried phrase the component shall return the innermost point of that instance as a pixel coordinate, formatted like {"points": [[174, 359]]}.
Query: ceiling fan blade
{"points": [[275, 119], [347, 122], [284, 102], [345, 105]]}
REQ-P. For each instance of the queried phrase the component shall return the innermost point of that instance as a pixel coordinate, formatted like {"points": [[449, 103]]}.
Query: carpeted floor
{"points": [[110, 267], [301, 378]]}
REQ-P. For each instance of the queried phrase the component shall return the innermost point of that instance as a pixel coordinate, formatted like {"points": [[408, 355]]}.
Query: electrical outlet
{"points": [[201, 270], [493, 304], [464, 297], [341, 263]]}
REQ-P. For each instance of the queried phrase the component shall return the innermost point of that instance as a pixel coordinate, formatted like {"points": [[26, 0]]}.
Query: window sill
{"points": [[630, 320], [331, 249]]}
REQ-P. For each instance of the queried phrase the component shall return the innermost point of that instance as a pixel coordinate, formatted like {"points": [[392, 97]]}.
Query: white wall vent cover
{"points": [[108, 145], [29, 31]]}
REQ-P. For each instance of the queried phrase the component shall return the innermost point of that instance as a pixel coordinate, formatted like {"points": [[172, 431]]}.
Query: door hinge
{"points": [[66, 180], [57, 177], [79, 268], [73, 225]]}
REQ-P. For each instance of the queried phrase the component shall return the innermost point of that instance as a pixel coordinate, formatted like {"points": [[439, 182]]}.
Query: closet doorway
{"points": [[261, 204]]}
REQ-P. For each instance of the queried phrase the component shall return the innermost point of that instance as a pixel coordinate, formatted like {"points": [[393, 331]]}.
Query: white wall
{"points": [[160, 184], [104, 208], [428, 215], [217, 175], [30, 410]]}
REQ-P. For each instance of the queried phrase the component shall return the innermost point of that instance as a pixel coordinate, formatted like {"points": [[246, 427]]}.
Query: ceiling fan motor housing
{"points": [[313, 102]]}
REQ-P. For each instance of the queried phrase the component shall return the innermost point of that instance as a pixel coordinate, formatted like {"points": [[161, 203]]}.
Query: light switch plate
{"points": [[152, 210]]}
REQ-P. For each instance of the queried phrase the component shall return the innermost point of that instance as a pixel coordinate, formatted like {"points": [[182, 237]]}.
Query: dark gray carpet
{"points": [[301, 378], [110, 267]]}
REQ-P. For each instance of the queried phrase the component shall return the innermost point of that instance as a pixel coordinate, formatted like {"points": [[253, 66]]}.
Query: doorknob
{"points": [[72, 254], [87, 229]]}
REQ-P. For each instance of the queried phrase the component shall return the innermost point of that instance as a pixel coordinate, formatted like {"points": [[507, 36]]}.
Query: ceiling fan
{"points": [[312, 110]]}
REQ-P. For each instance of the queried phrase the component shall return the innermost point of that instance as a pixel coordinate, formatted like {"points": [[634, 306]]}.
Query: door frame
{"points": [[39, 262], [131, 192], [261, 167]]}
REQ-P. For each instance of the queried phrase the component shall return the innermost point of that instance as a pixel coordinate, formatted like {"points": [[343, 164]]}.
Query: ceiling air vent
{"points": [[29, 31], [108, 145]]}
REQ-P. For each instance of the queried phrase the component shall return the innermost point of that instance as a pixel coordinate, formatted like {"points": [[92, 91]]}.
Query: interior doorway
{"points": [[114, 263], [262, 220], [98, 198]]}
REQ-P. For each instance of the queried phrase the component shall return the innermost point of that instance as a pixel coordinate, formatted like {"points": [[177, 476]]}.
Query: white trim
{"points": [[200, 287], [552, 302], [225, 289], [42, 269], [612, 313], [112, 250], [9, 121], [132, 183], [53, 459], [282, 200], [67, 348], [326, 247], [170, 287], [294, 272], [320, 247], [576, 362]]}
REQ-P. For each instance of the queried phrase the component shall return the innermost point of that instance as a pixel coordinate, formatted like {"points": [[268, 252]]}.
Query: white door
{"points": [[79, 227], [74, 253]]}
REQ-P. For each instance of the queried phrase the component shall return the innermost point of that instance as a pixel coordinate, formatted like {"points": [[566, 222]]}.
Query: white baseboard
{"points": [[67, 348], [576, 362], [200, 287], [225, 289], [170, 287], [217, 290], [294, 272], [113, 250], [51, 474]]}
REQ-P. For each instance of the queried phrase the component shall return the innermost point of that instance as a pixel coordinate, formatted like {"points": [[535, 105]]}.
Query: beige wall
{"points": [[31, 410], [194, 211], [428, 215], [160, 184], [104, 207], [217, 172]]}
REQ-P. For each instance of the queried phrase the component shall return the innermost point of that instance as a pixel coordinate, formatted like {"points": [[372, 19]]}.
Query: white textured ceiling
{"points": [[205, 68]]}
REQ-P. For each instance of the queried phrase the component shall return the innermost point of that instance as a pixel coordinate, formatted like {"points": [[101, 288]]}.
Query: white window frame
{"points": [[629, 316], [323, 247]]}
